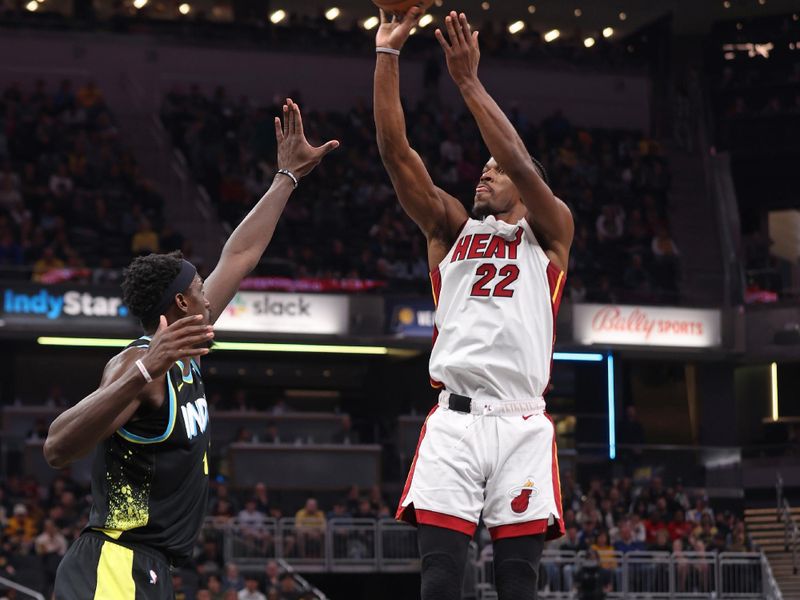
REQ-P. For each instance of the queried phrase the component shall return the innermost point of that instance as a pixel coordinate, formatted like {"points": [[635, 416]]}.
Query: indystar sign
{"points": [[52, 306]]}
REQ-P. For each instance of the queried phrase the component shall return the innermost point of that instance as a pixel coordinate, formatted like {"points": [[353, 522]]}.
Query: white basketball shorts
{"points": [[503, 466]]}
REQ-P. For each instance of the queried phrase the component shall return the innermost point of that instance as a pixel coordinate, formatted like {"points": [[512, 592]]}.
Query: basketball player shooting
{"points": [[488, 446], [149, 418]]}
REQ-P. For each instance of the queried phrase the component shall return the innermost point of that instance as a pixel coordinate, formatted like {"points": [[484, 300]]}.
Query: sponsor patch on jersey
{"points": [[521, 495]]}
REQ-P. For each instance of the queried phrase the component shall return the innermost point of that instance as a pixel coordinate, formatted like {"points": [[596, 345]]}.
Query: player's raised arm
{"points": [[296, 159], [124, 389], [438, 214], [549, 217]]}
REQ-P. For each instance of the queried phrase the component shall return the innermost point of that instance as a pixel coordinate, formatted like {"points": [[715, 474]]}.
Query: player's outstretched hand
{"points": [[185, 338], [394, 33], [462, 51], [294, 151]]}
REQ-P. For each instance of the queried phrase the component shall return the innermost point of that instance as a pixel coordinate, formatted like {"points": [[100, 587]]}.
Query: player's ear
{"points": [[182, 303]]}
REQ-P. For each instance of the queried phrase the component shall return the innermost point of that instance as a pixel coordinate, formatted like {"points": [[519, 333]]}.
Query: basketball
{"points": [[401, 6]]}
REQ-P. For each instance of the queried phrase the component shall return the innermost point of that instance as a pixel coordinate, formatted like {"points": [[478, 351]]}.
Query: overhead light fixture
{"points": [[612, 408], [622, 16], [278, 16], [332, 13], [551, 35], [184, 9], [238, 346], [578, 356], [425, 20], [577, 12], [773, 379], [588, 42], [516, 27], [608, 32], [371, 23], [531, 8], [32, 5], [139, 4]]}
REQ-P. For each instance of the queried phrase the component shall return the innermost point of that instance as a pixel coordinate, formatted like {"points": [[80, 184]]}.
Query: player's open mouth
{"points": [[481, 188]]}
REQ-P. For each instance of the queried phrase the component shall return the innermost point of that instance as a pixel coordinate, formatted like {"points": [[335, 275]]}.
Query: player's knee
{"points": [[441, 577], [516, 579]]}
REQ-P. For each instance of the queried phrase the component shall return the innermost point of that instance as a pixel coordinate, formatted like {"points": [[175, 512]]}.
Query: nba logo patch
{"points": [[153, 577], [521, 496]]}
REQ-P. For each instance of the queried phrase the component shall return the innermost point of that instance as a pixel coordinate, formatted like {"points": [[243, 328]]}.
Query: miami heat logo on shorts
{"points": [[521, 496]]}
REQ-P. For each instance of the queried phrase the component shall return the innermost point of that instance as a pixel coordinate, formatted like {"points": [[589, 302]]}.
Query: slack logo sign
{"points": [[53, 306]]}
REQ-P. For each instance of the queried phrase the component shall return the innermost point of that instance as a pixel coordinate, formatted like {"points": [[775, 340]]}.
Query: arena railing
{"points": [[384, 545], [21, 589]]}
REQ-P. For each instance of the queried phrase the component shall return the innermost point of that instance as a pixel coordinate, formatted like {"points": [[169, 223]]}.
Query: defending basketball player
{"points": [[488, 447], [149, 419]]}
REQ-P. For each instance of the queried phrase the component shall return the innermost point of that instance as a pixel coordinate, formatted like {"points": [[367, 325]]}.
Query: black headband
{"points": [[179, 285]]}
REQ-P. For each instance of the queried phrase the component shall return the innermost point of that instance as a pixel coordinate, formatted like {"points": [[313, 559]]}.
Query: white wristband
{"points": [[384, 50], [144, 371], [290, 175]]}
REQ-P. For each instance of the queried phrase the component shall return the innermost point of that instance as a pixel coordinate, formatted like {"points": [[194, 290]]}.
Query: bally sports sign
{"points": [[613, 324]]}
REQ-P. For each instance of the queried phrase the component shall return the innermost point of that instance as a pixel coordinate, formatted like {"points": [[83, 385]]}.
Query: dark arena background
{"points": [[670, 128]]}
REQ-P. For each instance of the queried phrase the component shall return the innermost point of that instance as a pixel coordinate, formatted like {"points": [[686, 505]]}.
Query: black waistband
{"points": [[459, 403], [151, 552]]}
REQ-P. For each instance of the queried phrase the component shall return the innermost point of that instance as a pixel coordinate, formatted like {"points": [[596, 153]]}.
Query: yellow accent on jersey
{"points": [[112, 533], [205, 463], [558, 286]]}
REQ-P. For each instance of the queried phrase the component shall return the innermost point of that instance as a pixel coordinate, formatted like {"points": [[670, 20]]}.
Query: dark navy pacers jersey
{"points": [[150, 478]]}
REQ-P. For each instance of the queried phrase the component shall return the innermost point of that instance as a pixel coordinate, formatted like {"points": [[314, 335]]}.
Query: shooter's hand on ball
{"points": [[393, 34], [294, 152], [462, 52]]}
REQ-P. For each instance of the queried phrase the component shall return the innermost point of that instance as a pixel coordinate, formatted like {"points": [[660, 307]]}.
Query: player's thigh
{"points": [[448, 472], [76, 577], [524, 485], [95, 568]]}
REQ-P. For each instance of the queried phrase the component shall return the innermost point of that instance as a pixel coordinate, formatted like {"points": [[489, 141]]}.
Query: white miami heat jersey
{"points": [[497, 296]]}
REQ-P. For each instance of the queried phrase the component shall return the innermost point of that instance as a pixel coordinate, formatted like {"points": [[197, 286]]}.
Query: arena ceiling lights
{"points": [[77, 342]]}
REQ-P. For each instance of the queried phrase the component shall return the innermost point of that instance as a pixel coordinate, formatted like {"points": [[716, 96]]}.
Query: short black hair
{"points": [[542, 171], [144, 282]]}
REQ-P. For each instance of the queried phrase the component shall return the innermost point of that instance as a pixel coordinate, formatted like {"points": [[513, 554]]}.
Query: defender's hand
{"points": [[462, 52], [183, 339], [394, 33], [294, 151]]}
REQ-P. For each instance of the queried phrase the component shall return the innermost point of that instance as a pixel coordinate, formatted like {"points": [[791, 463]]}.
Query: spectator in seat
{"points": [[251, 519], [272, 575], [637, 278], [46, 263], [251, 591], [701, 508], [232, 579], [346, 435], [145, 240], [654, 523], [51, 545], [289, 589], [706, 531], [339, 511], [679, 527], [310, 525], [661, 543], [627, 542], [261, 496], [181, 591], [215, 589], [21, 525]]}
